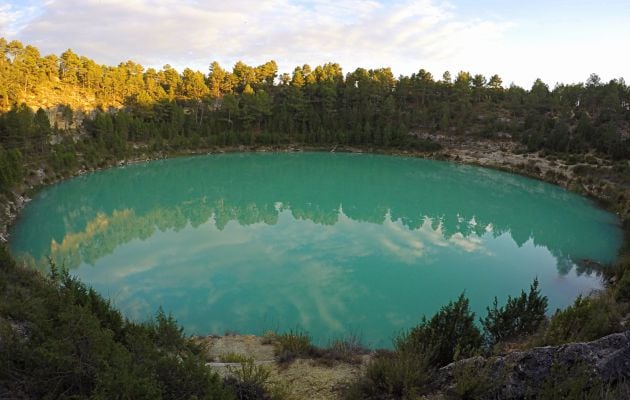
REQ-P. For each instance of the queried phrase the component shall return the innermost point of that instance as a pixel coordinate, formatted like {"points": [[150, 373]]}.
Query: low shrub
{"points": [[234, 358], [167, 334], [406, 372], [269, 337], [292, 345], [250, 372], [611, 274], [622, 287], [246, 391], [397, 375], [570, 383], [520, 316], [589, 318], [60, 339], [348, 350], [449, 335], [473, 381], [248, 381]]}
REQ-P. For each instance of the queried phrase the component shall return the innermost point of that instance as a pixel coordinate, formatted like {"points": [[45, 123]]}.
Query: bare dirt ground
{"points": [[300, 379]]}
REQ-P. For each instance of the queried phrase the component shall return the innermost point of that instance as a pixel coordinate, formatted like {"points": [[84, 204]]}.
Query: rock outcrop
{"points": [[9, 210], [520, 374]]}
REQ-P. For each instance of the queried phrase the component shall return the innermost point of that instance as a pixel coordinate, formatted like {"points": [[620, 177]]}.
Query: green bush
{"points": [[293, 344], [11, 168], [397, 375], [611, 274], [406, 372], [167, 334], [346, 350], [60, 339], [589, 318], [449, 335], [234, 358], [249, 381], [474, 381], [622, 287], [249, 372], [520, 316], [570, 383]]}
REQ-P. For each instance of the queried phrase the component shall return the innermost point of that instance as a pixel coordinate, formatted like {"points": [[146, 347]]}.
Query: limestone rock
{"points": [[519, 374]]}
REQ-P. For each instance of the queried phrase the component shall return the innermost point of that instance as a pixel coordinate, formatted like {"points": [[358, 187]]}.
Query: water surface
{"points": [[333, 244]]}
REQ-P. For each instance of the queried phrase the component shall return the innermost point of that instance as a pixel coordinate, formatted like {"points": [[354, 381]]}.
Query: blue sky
{"points": [[558, 41]]}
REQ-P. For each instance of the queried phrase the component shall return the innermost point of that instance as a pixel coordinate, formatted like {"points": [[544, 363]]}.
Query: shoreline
{"points": [[481, 153]]}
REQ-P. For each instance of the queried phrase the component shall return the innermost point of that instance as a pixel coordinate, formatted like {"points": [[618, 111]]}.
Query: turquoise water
{"points": [[333, 244]]}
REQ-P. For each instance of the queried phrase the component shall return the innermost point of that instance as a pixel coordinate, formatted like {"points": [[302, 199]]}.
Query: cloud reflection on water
{"points": [[305, 250]]}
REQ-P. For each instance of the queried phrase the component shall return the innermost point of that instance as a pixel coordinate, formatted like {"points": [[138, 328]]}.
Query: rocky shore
{"points": [[520, 374], [515, 375], [9, 211], [502, 155]]}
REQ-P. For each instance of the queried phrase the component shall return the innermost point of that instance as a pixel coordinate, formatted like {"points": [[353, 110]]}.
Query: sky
{"points": [[555, 40]]}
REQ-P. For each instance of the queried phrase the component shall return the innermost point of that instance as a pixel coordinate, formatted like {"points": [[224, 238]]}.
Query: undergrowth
{"points": [[60, 339]]}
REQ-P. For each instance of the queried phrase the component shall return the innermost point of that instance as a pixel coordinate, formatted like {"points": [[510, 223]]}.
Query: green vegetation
{"points": [[520, 316], [449, 335], [409, 371], [11, 170], [622, 288], [297, 344], [61, 339], [473, 382], [587, 319], [293, 344], [234, 358], [393, 375], [249, 381], [575, 383], [126, 110], [348, 350]]}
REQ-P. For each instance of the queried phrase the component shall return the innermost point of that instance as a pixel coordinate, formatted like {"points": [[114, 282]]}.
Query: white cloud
{"points": [[6, 16], [13, 19], [406, 35]]}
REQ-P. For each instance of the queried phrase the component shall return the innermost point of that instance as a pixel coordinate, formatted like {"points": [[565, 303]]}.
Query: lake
{"points": [[331, 244]]}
